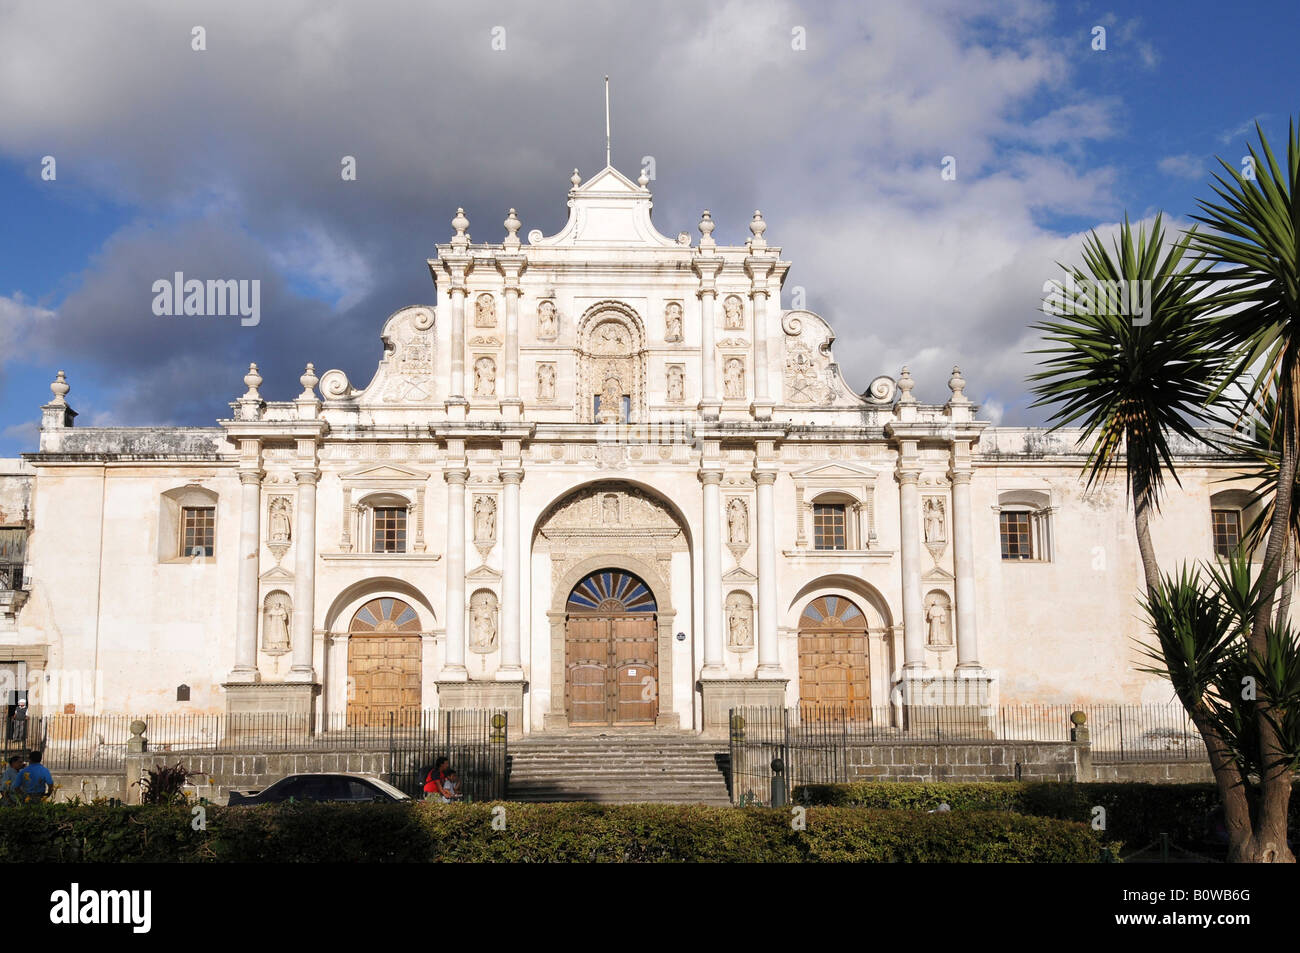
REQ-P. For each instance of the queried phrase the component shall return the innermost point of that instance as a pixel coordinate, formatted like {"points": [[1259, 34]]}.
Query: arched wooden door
{"points": [[611, 652], [383, 662], [834, 667]]}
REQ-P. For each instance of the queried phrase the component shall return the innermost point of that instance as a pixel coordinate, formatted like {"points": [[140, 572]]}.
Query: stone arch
{"points": [[882, 651], [600, 359]]}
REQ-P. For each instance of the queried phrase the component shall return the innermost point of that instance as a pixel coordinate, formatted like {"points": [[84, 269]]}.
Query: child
{"points": [[451, 786]]}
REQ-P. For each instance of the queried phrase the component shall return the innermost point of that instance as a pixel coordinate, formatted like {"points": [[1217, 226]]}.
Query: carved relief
{"points": [[734, 379], [546, 382], [483, 621], [740, 622], [485, 377], [733, 310], [611, 365], [803, 380], [276, 612], [548, 322], [676, 383], [673, 322], [411, 363], [485, 312]]}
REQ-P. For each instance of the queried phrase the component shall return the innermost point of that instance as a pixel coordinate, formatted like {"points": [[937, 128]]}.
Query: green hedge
{"points": [[1136, 813], [534, 833]]}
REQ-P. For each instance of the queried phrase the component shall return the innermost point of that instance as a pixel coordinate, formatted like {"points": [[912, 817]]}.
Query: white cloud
{"points": [[1184, 166]]}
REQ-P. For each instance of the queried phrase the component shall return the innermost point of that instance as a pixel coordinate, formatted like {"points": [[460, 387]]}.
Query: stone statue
{"points": [[733, 308], [934, 532], [611, 400], [740, 624], [737, 523], [610, 504], [483, 620], [676, 384], [485, 312], [546, 382], [485, 377], [485, 518], [936, 619], [734, 379], [275, 626], [739, 630], [673, 322], [547, 324], [280, 528]]}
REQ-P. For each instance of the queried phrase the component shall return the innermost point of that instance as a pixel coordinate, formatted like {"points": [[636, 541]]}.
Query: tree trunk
{"points": [[1288, 583], [1142, 521]]}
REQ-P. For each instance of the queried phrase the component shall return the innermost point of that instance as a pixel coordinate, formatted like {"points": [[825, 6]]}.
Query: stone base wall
{"points": [[1154, 772], [948, 761], [87, 786], [215, 775]]}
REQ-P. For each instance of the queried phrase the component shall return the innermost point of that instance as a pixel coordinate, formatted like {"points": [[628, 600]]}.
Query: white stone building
{"points": [[606, 480]]}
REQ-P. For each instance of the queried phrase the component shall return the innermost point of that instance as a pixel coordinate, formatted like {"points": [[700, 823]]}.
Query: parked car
{"points": [[341, 788]]}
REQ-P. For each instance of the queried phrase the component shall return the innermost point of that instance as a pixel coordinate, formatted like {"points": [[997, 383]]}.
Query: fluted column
{"points": [[762, 386], [511, 668], [511, 266], [304, 578], [769, 659], [964, 559], [713, 664], [246, 603], [708, 357], [458, 339], [454, 655], [913, 622]]}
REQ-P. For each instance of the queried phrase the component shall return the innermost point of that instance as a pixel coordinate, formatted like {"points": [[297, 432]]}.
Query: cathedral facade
{"points": [[608, 480]]}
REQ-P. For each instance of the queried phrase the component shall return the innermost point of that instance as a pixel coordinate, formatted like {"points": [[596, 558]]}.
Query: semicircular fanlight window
{"points": [[385, 615], [833, 611], [611, 590]]}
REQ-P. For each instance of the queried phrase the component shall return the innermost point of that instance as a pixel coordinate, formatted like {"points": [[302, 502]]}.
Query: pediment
{"points": [[276, 574], [608, 212], [386, 471], [835, 471], [483, 573], [739, 575], [938, 574], [609, 179]]}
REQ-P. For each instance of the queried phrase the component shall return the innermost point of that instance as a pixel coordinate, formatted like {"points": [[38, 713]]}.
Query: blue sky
{"points": [[224, 162]]}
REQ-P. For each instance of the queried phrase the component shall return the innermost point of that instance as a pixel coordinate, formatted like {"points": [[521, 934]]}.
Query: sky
{"points": [[127, 154]]}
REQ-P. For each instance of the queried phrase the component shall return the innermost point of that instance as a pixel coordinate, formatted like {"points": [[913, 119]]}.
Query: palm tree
{"points": [[1253, 257], [1131, 381]]}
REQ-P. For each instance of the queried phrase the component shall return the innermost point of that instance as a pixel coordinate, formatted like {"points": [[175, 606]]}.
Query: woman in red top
{"points": [[433, 781]]}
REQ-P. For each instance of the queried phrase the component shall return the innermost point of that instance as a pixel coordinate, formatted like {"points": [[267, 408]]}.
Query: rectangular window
{"points": [[390, 529], [1017, 538], [828, 526], [198, 530], [1227, 531]]}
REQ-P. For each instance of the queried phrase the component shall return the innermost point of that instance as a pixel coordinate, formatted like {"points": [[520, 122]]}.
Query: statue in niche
{"points": [[676, 384], [485, 312], [275, 625], [611, 400], [485, 377], [936, 621], [280, 527], [737, 523], [740, 626], [734, 378], [934, 531], [483, 621], [734, 312], [485, 518], [673, 322], [546, 382], [547, 323], [610, 508]]}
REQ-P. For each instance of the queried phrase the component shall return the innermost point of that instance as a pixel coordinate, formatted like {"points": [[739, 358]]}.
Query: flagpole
{"points": [[607, 162]]}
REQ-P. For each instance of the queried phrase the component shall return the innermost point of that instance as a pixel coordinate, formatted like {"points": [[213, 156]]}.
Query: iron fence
{"points": [[813, 741]]}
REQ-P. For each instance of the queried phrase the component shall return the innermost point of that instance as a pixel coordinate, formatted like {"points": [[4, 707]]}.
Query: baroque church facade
{"points": [[606, 481]]}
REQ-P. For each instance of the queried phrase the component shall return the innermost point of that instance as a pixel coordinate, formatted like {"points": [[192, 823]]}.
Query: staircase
{"points": [[618, 767]]}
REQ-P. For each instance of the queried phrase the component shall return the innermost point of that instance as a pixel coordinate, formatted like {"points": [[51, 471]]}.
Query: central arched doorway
{"points": [[611, 651], [384, 648], [834, 663]]}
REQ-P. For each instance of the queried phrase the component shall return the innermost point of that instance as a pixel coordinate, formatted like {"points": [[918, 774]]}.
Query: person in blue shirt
{"points": [[9, 781], [35, 783]]}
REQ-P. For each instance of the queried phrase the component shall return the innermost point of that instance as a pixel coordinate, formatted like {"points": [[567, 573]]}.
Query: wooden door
{"points": [[834, 665], [384, 661], [612, 672]]}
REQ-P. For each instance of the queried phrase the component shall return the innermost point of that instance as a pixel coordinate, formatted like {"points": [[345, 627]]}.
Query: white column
{"points": [[511, 668], [964, 558], [708, 358], [769, 658], [304, 578], [913, 622], [454, 655], [246, 602], [762, 387], [713, 664], [458, 337]]}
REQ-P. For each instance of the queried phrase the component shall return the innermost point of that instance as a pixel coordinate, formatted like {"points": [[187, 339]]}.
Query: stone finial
{"points": [[512, 224], [706, 230], [575, 179], [59, 388], [253, 380], [643, 180], [905, 385], [757, 227], [309, 380], [957, 384], [460, 223]]}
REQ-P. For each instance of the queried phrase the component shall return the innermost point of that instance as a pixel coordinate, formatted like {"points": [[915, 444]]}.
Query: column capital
{"points": [[710, 477], [512, 476], [960, 476], [764, 477], [306, 477], [908, 477], [456, 477], [251, 477]]}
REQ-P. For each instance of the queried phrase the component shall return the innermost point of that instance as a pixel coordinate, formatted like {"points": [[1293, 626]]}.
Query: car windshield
{"points": [[389, 789]]}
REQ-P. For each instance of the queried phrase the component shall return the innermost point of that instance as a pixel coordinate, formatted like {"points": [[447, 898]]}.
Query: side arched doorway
{"points": [[611, 651], [384, 649], [834, 661]]}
